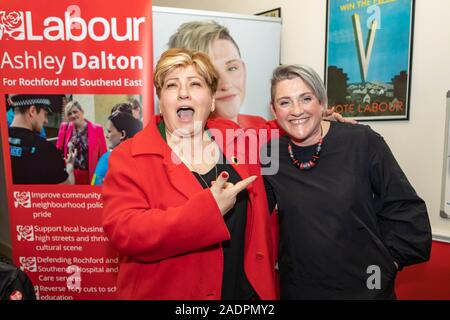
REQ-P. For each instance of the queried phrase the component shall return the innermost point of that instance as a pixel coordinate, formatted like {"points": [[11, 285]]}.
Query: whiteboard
{"points": [[445, 196], [258, 38]]}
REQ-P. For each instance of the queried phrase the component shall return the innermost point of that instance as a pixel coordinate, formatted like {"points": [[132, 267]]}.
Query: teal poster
{"points": [[368, 61]]}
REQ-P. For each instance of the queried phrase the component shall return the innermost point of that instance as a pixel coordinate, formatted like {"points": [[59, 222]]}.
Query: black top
{"points": [[79, 141], [235, 285], [34, 160], [355, 211]]}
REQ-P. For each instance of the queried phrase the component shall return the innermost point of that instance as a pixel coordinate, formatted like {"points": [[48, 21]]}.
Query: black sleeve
{"points": [[402, 215], [271, 200], [269, 158], [15, 284], [24, 285], [56, 166]]}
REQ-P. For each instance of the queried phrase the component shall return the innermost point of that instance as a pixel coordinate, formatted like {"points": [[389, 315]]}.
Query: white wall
{"points": [[418, 144]]}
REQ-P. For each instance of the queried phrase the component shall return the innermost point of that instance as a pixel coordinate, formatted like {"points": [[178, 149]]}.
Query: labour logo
{"points": [[25, 233], [12, 25], [28, 264], [16, 295], [22, 199]]}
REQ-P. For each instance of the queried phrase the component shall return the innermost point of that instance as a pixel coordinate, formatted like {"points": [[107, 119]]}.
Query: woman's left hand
{"points": [[331, 115]]}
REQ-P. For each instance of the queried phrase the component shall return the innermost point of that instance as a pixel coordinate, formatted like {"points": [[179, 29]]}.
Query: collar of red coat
{"points": [[143, 144]]}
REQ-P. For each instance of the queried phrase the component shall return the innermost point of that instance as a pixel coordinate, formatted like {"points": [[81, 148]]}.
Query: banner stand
{"points": [[57, 54]]}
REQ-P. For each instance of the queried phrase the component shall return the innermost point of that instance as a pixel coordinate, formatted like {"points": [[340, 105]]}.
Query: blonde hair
{"points": [[183, 58], [72, 104], [199, 35]]}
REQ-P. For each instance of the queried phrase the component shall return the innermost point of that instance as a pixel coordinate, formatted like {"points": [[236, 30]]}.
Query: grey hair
{"points": [[199, 35], [307, 74], [72, 104]]}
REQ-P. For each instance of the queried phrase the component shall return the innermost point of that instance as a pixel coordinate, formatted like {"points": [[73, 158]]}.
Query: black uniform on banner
{"points": [[34, 160]]}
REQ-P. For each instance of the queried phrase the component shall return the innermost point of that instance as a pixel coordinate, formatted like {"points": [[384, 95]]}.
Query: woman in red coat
{"points": [[183, 204]]}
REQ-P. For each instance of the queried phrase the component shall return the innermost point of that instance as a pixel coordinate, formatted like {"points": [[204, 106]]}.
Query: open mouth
{"points": [[185, 113]]}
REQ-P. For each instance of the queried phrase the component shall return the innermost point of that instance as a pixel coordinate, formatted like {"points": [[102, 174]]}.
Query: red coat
{"points": [[247, 121], [168, 229], [250, 121]]}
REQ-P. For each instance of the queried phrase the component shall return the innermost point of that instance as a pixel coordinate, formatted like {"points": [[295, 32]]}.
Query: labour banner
{"points": [[67, 68]]}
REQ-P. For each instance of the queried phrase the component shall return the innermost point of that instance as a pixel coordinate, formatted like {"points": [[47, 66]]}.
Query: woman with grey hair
{"points": [[349, 218]]}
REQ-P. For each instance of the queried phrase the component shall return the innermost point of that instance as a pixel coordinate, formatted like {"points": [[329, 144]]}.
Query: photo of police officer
{"points": [[34, 160]]}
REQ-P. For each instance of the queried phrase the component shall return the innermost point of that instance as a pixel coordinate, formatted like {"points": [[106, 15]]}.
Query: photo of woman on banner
{"points": [[215, 40], [372, 223], [121, 126], [86, 137], [34, 160], [187, 227]]}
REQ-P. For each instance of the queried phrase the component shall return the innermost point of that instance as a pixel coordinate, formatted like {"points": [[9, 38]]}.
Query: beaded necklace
{"points": [[307, 165]]}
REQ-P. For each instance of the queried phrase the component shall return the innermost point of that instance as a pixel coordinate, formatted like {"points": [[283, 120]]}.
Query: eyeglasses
{"points": [[303, 99]]}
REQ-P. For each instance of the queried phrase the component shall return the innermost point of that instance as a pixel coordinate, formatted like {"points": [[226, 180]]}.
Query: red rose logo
{"points": [[12, 21], [28, 263], [16, 295], [22, 199], [25, 232], [11, 24]]}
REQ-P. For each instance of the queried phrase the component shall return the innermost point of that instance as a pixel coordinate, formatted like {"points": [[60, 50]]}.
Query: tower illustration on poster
{"points": [[368, 60]]}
